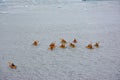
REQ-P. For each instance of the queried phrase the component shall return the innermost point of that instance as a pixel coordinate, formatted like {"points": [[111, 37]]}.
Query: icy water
{"points": [[41, 2], [23, 21]]}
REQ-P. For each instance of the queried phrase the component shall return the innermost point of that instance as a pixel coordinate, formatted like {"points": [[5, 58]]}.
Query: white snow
{"points": [[87, 21]]}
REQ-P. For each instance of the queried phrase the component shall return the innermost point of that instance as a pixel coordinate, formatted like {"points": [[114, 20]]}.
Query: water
{"points": [[41, 2], [7, 4]]}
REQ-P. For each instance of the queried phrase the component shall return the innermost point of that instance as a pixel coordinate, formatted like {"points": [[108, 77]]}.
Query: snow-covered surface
{"points": [[87, 21]]}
